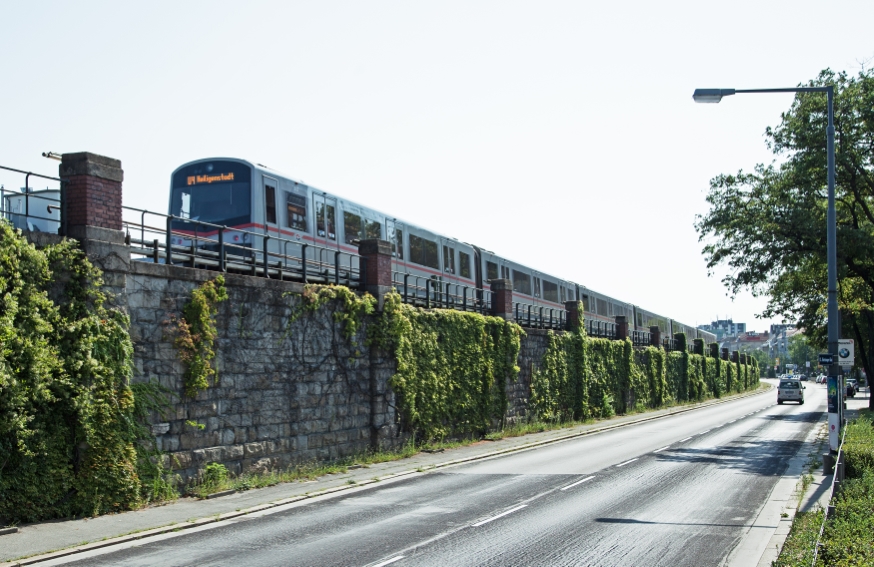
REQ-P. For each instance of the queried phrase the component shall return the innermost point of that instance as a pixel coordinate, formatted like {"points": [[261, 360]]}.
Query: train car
{"points": [[259, 206]]}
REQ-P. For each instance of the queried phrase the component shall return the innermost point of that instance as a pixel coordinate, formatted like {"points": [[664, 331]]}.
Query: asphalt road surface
{"points": [[674, 491]]}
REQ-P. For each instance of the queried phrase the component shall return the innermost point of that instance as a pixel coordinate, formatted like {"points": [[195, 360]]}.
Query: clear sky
{"points": [[560, 134]]}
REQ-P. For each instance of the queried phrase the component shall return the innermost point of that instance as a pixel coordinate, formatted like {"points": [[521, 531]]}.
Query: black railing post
{"points": [[337, 267], [464, 299], [540, 317], [406, 287], [428, 293], [529, 315], [266, 238], [223, 266], [303, 262], [169, 244], [155, 251]]}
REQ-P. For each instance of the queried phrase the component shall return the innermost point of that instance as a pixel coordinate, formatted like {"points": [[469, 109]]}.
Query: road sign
{"points": [[826, 359], [846, 352]]}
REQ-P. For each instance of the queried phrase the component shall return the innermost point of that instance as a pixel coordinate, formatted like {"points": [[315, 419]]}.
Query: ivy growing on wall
{"points": [[350, 316], [196, 334], [67, 434], [452, 367]]}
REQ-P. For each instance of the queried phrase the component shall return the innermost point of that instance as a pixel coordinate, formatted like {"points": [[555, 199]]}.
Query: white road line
{"points": [[577, 482], [732, 421], [389, 561], [686, 439], [662, 449], [516, 509], [703, 432], [626, 462]]}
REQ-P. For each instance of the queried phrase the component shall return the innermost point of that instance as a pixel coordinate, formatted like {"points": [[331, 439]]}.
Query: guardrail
{"points": [[430, 292], [152, 237], [641, 338], [600, 329], [22, 208], [539, 317]]}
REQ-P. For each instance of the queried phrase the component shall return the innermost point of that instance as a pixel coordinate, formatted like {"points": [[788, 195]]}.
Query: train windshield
{"points": [[217, 192]]}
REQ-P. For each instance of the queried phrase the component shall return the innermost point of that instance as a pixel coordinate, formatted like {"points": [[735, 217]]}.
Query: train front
{"points": [[208, 196]]}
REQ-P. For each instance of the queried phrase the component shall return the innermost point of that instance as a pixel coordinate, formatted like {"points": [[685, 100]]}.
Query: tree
{"points": [[765, 362], [769, 226], [801, 351]]}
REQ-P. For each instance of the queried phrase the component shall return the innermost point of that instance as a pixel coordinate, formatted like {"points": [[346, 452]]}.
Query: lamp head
{"points": [[711, 95]]}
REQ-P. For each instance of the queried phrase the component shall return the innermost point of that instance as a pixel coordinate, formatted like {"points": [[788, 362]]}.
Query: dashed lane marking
{"points": [[626, 462], [486, 521], [577, 482], [662, 449], [686, 439]]}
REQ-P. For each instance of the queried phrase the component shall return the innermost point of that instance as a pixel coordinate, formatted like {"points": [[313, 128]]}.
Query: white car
{"points": [[790, 391]]}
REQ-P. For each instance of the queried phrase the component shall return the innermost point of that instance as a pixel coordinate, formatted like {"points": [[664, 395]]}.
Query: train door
{"points": [[394, 233], [325, 235]]}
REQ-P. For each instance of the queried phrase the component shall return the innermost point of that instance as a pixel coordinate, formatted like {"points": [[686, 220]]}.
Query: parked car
{"points": [[790, 391]]}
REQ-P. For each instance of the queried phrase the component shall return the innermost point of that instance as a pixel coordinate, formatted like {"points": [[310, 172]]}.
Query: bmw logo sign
{"points": [[844, 353]]}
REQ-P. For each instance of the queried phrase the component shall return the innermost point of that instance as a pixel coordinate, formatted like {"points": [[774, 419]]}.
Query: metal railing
{"points": [[539, 317], [641, 338], [152, 237], [31, 209], [670, 344], [430, 292], [600, 329]]}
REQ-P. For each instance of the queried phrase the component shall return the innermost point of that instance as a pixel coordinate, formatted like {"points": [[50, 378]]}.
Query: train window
{"points": [[398, 244], [464, 264], [491, 271], [185, 209], [601, 306], [295, 211], [521, 282], [562, 294], [351, 227], [424, 252], [586, 304], [372, 229], [270, 196], [325, 221], [449, 259], [505, 272], [550, 291]]}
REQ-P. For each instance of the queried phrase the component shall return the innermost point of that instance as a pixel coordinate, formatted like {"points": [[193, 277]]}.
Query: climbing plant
{"points": [[67, 439], [452, 367], [196, 334], [352, 312]]}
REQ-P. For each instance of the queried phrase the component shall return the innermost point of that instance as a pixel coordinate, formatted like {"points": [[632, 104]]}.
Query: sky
{"points": [[560, 134]]}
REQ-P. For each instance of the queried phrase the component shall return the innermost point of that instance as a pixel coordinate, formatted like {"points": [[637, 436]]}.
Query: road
{"points": [[681, 490]]}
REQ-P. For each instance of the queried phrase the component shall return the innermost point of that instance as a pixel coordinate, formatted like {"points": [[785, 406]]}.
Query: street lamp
{"points": [[714, 96]]}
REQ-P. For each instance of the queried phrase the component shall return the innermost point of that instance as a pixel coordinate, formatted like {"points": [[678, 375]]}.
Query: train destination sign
{"points": [[826, 359], [206, 179]]}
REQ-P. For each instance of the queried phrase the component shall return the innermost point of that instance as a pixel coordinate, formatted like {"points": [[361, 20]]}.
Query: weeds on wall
{"points": [[452, 367], [68, 439], [582, 377], [196, 333], [350, 316]]}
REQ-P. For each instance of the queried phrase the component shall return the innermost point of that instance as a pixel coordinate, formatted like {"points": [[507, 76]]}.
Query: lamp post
{"points": [[835, 406]]}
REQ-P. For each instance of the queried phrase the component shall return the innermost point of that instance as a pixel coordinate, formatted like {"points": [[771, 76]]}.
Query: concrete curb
{"points": [[230, 515]]}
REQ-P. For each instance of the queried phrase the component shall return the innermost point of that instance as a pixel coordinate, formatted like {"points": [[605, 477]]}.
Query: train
{"points": [[253, 199]]}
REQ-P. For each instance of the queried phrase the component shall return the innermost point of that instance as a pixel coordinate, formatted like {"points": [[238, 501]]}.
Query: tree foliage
{"points": [[768, 226]]}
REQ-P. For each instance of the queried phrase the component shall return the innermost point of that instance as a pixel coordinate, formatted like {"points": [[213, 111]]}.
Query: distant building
{"points": [[723, 328]]}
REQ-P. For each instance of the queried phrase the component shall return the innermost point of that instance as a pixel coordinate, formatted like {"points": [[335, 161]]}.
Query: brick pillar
{"points": [[656, 335], [698, 346], [92, 193], [725, 354], [502, 299], [714, 350], [621, 327], [734, 356], [575, 316], [91, 213], [377, 270]]}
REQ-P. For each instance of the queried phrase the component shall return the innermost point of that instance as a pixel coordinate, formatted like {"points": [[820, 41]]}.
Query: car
{"points": [[803, 377], [790, 391], [851, 387]]}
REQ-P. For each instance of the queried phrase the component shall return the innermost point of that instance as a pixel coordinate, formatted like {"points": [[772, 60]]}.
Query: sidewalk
{"points": [[819, 491], [45, 540]]}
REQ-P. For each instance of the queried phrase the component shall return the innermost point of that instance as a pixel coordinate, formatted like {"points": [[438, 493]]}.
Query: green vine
{"points": [[354, 308], [452, 367], [68, 427], [196, 334]]}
